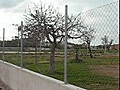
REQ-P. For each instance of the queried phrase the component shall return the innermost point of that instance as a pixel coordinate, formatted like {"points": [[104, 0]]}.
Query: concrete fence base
{"points": [[22, 79]]}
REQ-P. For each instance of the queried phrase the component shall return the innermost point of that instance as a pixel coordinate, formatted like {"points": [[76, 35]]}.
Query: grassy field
{"points": [[98, 73]]}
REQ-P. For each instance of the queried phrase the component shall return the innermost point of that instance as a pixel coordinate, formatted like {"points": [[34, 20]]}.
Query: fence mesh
{"points": [[104, 20], [99, 72]]}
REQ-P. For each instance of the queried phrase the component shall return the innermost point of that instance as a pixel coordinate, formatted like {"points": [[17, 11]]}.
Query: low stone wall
{"points": [[22, 79]]}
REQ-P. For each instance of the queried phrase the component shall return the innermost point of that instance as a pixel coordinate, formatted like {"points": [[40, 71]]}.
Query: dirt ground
{"points": [[3, 86], [110, 70]]}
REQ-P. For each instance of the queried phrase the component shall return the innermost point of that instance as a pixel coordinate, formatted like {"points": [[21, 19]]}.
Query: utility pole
{"points": [[65, 49]]}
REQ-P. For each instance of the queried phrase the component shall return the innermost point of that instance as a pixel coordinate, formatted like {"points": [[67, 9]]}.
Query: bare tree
{"points": [[88, 37], [47, 22], [106, 42], [77, 52]]}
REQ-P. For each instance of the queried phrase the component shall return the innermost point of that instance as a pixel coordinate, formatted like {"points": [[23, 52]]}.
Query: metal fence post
{"points": [[21, 44], [65, 49], [3, 44], [18, 44]]}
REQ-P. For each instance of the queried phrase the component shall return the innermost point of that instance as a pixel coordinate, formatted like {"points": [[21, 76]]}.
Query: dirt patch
{"points": [[109, 70]]}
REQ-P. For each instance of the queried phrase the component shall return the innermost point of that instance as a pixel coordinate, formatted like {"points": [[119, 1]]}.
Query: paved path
{"points": [[3, 86]]}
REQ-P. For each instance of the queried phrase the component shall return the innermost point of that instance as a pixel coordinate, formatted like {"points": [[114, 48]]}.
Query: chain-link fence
{"points": [[102, 71], [92, 63], [104, 21]]}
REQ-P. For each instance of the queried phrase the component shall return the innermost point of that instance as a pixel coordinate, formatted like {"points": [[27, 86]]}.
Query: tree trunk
{"points": [[52, 59], [35, 53], [77, 55], [90, 51]]}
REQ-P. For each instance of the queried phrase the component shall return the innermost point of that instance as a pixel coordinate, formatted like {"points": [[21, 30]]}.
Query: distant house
{"points": [[115, 47]]}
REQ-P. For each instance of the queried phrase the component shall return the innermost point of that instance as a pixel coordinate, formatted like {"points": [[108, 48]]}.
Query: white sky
{"points": [[11, 11]]}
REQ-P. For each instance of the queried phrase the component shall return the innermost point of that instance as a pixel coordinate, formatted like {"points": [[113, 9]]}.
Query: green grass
{"points": [[83, 76], [79, 74]]}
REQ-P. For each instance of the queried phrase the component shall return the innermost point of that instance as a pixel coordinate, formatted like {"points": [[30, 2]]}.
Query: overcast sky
{"points": [[11, 11]]}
